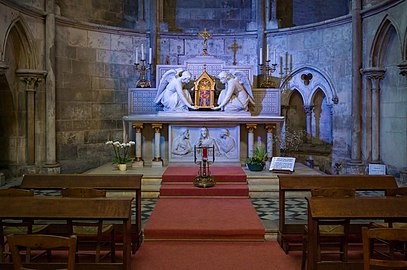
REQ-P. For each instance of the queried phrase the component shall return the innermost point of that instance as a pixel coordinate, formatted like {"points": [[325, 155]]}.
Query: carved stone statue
{"points": [[171, 93], [237, 94], [182, 145]]}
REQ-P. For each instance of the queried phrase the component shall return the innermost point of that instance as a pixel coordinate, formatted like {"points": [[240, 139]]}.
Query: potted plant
{"points": [[258, 160], [121, 153]]}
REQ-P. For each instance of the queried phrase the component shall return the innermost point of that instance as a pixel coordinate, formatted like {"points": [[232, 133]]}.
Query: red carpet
{"points": [[187, 174], [204, 219], [180, 255], [231, 182]]}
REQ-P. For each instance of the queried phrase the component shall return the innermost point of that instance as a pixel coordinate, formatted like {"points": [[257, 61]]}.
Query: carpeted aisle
{"points": [[181, 255]]}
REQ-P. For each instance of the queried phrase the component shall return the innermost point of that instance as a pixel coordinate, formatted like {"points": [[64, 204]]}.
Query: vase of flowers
{"points": [[121, 153], [258, 160]]}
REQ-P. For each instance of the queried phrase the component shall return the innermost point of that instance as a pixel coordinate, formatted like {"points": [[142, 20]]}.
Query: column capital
{"points": [[138, 127], [308, 109], [157, 127], [251, 127], [373, 73], [270, 127], [403, 68], [3, 67], [31, 77]]}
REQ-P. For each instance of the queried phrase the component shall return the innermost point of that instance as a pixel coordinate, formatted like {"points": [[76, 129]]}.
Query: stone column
{"points": [[157, 161], [356, 83], [138, 161], [51, 163], [270, 128], [250, 138], [308, 111], [31, 78], [375, 75]]}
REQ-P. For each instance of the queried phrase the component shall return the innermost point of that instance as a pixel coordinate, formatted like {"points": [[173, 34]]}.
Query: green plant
{"points": [[121, 151], [259, 156]]}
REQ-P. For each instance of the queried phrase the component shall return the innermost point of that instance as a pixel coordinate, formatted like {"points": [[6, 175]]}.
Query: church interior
{"points": [[183, 95]]}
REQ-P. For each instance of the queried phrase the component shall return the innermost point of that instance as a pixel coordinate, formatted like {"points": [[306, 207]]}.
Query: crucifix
{"points": [[234, 47], [205, 35]]}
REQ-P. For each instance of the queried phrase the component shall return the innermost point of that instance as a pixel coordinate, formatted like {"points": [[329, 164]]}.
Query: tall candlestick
{"points": [[281, 64], [286, 60], [291, 62], [150, 56], [275, 59], [142, 52], [136, 55], [267, 53], [261, 56]]}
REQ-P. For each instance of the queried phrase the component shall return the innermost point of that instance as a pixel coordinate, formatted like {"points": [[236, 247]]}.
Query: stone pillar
{"points": [[261, 39], [138, 161], [31, 78], [308, 111], [375, 75], [51, 163], [157, 161], [356, 83], [250, 138], [270, 128]]}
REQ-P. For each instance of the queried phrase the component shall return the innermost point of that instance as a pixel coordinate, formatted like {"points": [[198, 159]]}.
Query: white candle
{"points": [[275, 57], [286, 60], [267, 53], [142, 52], [150, 56], [136, 55], [261, 56]]}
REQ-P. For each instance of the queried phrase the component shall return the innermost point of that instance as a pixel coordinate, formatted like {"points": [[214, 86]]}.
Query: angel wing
{"points": [[244, 80], [165, 79]]}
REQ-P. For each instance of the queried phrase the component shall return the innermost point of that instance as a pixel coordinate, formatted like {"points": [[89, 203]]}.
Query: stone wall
{"points": [[306, 12], [94, 70]]}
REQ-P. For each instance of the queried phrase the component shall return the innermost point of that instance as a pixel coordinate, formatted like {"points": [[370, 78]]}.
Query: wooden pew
{"points": [[108, 182], [350, 208], [296, 183], [58, 208]]}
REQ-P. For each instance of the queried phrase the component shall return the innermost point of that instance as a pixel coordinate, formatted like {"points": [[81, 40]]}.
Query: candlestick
{"points": [[267, 53], [261, 56], [281, 65], [137, 56], [291, 62], [150, 56], [286, 60], [142, 52]]}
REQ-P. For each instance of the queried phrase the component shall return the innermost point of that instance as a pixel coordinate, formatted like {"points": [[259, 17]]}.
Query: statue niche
{"points": [[204, 91]]}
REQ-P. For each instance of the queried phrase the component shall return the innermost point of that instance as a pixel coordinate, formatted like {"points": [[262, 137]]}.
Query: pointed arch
{"points": [[385, 31], [319, 80], [19, 29]]}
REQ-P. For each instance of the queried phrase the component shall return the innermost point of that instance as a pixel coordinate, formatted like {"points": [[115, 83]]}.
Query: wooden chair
{"points": [[375, 257], [90, 230], [335, 229], [12, 226], [42, 242]]}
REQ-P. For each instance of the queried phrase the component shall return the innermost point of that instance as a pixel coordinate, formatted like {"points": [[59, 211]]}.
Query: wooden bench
{"points": [[107, 182], [58, 208], [297, 183], [350, 208]]}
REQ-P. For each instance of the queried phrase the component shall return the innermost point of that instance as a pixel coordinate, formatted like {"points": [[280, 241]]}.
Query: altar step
{"points": [[190, 191]]}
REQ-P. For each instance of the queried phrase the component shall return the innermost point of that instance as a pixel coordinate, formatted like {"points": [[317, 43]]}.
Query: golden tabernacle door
{"points": [[204, 90]]}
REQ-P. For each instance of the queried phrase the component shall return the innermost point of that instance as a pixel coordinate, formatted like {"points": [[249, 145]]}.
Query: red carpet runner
{"points": [[231, 182]]}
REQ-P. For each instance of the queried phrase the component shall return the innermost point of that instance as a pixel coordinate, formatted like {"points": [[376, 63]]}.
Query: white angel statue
{"points": [[170, 91], [237, 94]]}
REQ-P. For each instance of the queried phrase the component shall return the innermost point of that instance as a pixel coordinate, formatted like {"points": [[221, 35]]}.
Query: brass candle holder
{"points": [[143, 69], [266, 71]]}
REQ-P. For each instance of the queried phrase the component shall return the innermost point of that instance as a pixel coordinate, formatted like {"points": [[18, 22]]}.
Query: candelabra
{"points": [[267, 70], [285, 73], [143, 69]]}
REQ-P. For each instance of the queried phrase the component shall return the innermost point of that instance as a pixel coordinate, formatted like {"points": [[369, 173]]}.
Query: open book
{"points": [[282, 165]]}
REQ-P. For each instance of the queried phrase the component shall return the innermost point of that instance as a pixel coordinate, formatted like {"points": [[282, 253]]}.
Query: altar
{"points": [[164, 137]]}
